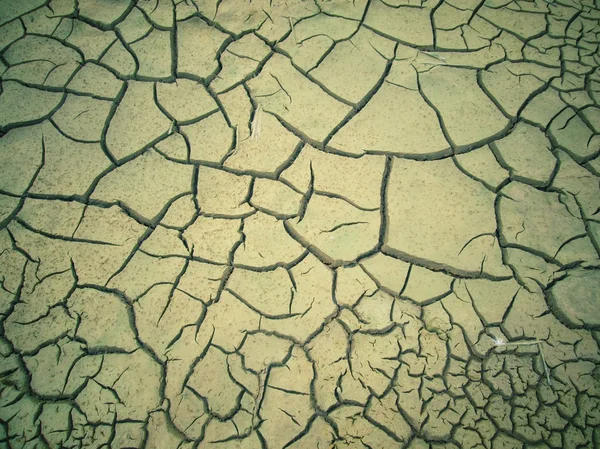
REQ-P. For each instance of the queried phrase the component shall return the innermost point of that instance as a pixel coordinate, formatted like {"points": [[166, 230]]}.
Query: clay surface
{"points": [[303, 224]]}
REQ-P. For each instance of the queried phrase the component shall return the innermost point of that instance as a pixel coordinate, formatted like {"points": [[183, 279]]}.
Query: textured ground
{"points": [[300, 224]]}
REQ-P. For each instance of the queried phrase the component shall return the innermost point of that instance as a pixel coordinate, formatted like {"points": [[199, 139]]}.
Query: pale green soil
{"points": [[299, 224]]}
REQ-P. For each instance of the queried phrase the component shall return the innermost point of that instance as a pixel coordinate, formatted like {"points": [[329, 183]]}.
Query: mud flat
{"points": [[299, 224]]}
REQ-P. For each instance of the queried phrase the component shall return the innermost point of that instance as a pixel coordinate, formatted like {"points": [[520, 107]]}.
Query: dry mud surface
{"points": [[299, 224]]}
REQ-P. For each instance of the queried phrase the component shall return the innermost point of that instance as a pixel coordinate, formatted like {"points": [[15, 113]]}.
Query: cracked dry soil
{"points": [[300, 224]]}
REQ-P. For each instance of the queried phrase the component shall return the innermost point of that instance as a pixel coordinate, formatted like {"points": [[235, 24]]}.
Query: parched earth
{"points": [[300, 224]]}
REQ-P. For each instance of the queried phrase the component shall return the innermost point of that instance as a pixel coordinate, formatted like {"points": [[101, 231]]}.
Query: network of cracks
{"points": [[299, 224]]}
